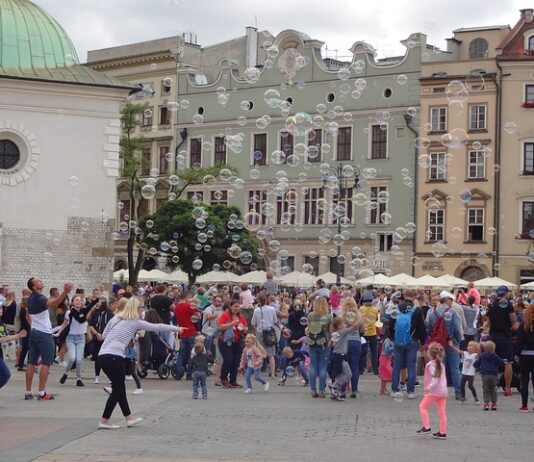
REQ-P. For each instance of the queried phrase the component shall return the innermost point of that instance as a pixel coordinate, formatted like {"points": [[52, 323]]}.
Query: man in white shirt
{"points": [[264, 319], [209, 328]]}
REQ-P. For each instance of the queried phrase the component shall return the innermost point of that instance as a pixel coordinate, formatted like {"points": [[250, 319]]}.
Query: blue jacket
{"points": [[488, 363], [454, 326]]}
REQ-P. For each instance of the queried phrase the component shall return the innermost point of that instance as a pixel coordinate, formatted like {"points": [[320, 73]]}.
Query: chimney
{"points": [[252, 47], [527, 14]]}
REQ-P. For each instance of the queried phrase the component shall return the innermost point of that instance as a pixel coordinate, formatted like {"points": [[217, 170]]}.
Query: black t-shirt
{"points": [[162, 304], [24, 324], [499, 317], [9, 313]]}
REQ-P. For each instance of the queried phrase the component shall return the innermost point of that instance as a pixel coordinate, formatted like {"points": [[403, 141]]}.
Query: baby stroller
{"points": [[156, 355]]}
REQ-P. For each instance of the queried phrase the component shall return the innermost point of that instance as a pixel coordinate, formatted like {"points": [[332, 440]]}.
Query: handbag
{"points": [[268, 336]]}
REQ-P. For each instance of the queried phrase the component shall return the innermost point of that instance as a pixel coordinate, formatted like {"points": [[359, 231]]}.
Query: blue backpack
{"points": [[403, 328]]}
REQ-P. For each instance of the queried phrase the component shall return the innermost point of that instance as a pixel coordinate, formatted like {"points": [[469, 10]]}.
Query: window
{"points": [[195, 152], [476, 168], [164, 116], [527, 218], [146, 160], [196, 196], [260, 149], [312, 213], [163, 162], [399, 133], [314, 146], [438, 90], [256, 199], [335, 266], [475, 225], [438, 119], [220, 151], [438, 166], [384, 241], [375, 214], [477, 117], [314, 262], [436, 225], [528, 159], [286, 144], [9, 155], [147, 117], [344, 138], [124, 212], [342, 206], [529, 93], [379, 139], [289, 263], [286, 208], [531, 43], [478, 49], [219, 197]]}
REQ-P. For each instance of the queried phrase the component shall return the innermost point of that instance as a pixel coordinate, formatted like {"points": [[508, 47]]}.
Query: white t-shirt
{"points": [[467, 366], [76, 328], [264, 318], [209, 327], [39, 313], [247, 297]]}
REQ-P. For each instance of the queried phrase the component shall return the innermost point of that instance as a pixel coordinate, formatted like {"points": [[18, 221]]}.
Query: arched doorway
{"points": [[472, 273]]}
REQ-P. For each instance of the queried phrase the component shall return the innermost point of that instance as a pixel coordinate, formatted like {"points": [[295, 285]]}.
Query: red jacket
{"points": [[226, 317]]}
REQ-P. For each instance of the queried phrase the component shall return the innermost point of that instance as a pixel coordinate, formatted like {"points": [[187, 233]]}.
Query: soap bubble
{"points": [[290, 371], [197, 264], [148, 191], [303, 321], [323, 320]]}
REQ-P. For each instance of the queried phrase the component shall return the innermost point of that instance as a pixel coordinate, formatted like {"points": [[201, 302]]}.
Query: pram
{"points": [[156, 355]]}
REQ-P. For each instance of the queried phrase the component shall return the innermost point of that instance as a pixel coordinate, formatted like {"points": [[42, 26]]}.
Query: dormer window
{"points": [[531, 43], [478, 49]]}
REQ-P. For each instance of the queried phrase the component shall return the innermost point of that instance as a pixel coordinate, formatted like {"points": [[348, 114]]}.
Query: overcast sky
{"points": [[94, 24]]}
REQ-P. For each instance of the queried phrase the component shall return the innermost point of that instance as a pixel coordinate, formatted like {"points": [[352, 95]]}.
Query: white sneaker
{"points": [[97, 379], [410, 395], [266, 387], [103, 426], [107, 390], [396, 394], [62, 364], [128, 377], [132, 422], [402, 387], [248, 391], [137, 391]]}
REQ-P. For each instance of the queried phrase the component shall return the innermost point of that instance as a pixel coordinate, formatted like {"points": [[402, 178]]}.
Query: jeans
{"points": [[186, 345], [318, 365], [115, 368], [257, 376], [373, 348], [353, 357], [452, 360], [405, 357], [469, 379], [24, 343], [199, 378], [75, 346], [231, 357], [5, 375]]}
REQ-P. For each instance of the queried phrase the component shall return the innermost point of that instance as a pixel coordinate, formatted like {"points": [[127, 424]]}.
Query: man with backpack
{"points": [[444, 326], [409, 334]]}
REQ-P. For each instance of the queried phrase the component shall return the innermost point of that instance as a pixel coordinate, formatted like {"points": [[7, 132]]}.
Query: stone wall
{"points": [[83, 254]]}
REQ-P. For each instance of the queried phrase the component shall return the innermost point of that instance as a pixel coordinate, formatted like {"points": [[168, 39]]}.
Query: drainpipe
{"points": [[408, 119], [497, 181]]}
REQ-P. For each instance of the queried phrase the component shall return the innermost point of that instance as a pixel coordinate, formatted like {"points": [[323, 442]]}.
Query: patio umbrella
{"points": [[218, 277], [330, 279], [428, 281], [527, 286], [152, 276], [177, 276], [297, 278], [453, 281], [254, 277], [379, 279], [404, 280], [120, 274], [493, 283]]}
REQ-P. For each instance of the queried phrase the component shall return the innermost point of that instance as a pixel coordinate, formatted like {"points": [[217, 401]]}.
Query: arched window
{"points": [[478, 49], [9, 155], [472, 273], [531, 43]]}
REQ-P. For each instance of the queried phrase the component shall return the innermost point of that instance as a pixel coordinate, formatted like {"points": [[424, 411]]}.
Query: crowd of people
{"points": [[325, 338]]}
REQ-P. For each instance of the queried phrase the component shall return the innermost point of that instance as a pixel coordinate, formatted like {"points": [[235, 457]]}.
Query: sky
{"points": [[95, 24]]}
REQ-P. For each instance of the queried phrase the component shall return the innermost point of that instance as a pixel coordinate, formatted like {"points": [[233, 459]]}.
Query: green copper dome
{"points": [[31, 39]]}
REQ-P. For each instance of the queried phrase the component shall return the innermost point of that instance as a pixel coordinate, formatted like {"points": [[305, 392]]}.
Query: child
{"points": [[468, 369], [296, 360], [489, 364], [199, 369], [251, 361], [131, 368], [385, 370], [338, 367], [435, 391]]}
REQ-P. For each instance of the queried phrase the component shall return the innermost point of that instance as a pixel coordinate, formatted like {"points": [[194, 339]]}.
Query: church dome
{"points": [[32, 39]]}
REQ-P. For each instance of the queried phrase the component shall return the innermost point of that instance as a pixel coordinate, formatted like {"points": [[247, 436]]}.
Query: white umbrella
{"points": [[527, 286], [493, 283], [222, 277], [378, 279], [331, 278], [121, 274], [254, 277], [177, 276], [297, 278], [404, 280], [453, 281], [151, 276], [430, 281]]}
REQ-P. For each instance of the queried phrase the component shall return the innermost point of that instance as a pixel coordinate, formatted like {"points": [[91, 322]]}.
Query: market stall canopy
{"points": [[330, 278], [493, 283]]}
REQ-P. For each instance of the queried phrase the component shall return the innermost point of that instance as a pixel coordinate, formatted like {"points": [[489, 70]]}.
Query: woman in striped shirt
{"points": [[117, 334]]}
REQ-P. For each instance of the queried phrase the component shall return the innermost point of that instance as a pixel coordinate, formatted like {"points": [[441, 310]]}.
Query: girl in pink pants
{"points": [[435, 389]]}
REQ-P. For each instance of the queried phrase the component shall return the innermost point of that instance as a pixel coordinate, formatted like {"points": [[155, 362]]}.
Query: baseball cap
{"points": [[445, 294], [501, 290]]}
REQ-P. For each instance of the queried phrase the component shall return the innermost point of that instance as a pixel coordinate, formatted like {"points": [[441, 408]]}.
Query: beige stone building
{"points": [[457, 163], [515, 218]]}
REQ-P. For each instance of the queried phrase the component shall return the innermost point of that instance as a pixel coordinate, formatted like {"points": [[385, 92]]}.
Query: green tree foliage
{"points": [[186, 231]]}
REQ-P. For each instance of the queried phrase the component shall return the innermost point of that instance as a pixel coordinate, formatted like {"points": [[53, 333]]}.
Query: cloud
{"points": [[94, 24]]}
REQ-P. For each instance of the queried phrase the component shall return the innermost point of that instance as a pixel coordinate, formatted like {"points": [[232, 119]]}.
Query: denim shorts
{"points": [[41, 346]]}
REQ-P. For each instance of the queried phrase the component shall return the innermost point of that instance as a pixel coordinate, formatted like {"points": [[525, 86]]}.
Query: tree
{"points": [[197, 237], [133, 163]]}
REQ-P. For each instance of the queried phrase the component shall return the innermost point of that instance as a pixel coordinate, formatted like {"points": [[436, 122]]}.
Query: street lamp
{"points": [[344, 177]]}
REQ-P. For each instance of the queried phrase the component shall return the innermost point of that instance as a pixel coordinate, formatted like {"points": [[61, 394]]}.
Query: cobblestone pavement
{"points": [[282, 425]]}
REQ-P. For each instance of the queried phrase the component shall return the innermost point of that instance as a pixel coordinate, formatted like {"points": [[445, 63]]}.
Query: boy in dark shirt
{"points": [[294, 360], [199, 367], [489, 364]]}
